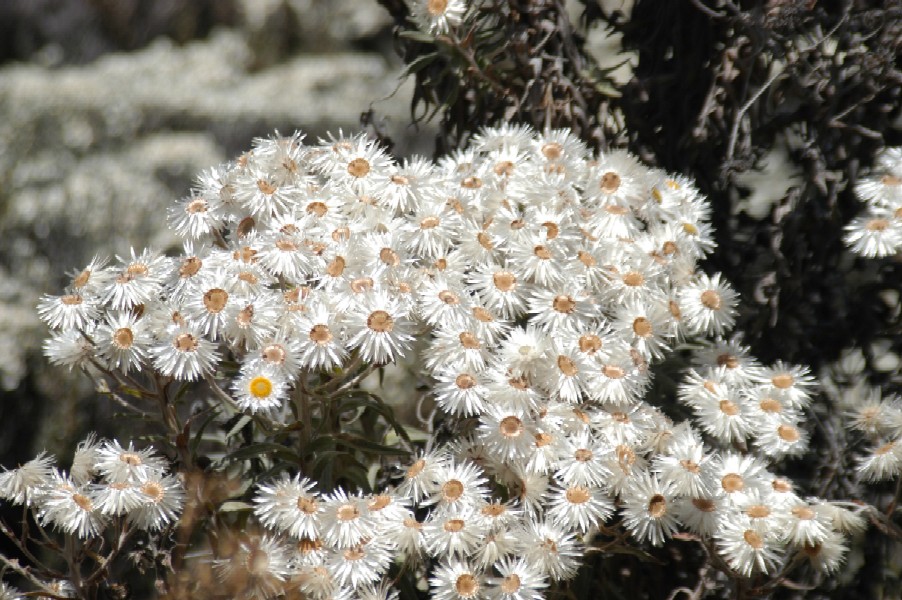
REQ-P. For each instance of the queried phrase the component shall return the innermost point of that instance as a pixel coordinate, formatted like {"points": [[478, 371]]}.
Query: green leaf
{"points": [[419, 63], [417, 36], [368, 446], [244, 420], [260, 449]]}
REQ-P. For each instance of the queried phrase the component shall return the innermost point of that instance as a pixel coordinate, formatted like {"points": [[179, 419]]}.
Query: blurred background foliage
{"points": [[108, 109]]}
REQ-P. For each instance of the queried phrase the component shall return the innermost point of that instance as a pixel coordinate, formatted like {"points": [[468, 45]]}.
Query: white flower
{"points": [[123, 341], [260, 388], [517, 580], [551, 550], [69, 311], [708, 305], [23, 485], [379, 327], [71, 508], [747, 549], [184, 354], [875, 235], [164, 498], [457, 580], [118, 464], [649, 512], [579, 508], [361, 564], [289, 505]]}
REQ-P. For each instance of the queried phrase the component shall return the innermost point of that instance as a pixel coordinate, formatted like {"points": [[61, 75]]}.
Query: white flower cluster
{"points": [[545, 281], [878, 232], [106, 481]]}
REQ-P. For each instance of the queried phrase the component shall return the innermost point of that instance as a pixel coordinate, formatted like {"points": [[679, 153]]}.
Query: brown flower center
{"points": [[215, 300], [510, 427], [452, 490], [504, 280], [577, 495], [466, 585], [753, 539], [610, 182], [732, 482], [359, 167], [657, 506], [380, 322], [567, 366], [123, 338], [711, 300]]}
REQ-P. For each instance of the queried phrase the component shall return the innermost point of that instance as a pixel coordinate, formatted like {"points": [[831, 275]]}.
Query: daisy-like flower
{"points": [[250, 322], [163, 498], [116, 499], [562, 306], [91, 280], [644, 325], [184, 354], [345, 521], [260, 192], [361, 564], [118, 464], [69, 311], [582, 461], [882, 462], [724, 416], [455, 535], [708, 305], [320, 338], [648, 511], [682, 466], [499, 289], [826, 555], [431, 230], [883, 189], [281, 353], [779, 438], [618, 381], [746, 548], [457, 580], [70, 508], [804, 524], [579, 508], [460, 391], [516, 580], [123, 341], [458, 348], [700, 514], [792, 384], [445, 303], [289, 505], [70, 348], [739, 367], [194, 217], [423, 477], [735, 475], [550, 549], [874, 415], [875, 235], [460, 486], [379, 327], [23, 485], [260, 388], [505, 433], [357, 163], [139, 282]]}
